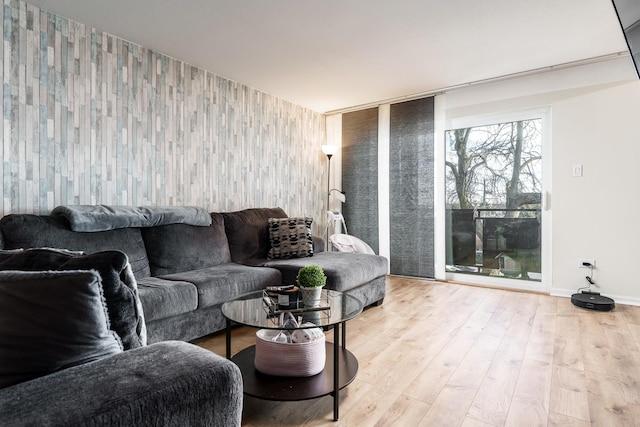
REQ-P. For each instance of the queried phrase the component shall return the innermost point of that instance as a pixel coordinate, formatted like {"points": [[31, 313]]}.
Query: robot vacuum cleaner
{"points": [[592, 301]]}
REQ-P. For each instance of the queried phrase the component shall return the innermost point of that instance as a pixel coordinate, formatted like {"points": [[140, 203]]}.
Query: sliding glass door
{"points": [[494, 200]]}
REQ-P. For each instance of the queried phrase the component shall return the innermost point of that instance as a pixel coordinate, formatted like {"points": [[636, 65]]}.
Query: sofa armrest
{"points": [[171, 383]]}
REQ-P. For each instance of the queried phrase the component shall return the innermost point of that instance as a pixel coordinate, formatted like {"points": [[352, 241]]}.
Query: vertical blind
{"points": [[411, 193], [411, 198], [360, 174]]}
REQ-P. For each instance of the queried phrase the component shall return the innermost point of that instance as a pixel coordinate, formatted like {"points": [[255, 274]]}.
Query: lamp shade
{"points": [[329, 150]]}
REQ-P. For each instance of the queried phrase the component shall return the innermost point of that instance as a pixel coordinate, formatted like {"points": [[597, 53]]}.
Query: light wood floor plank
{"points": [[522, 320], [630, 314], [607, 404], [567, 349], [530, 403], [596, 354], [470, 422], [444, 354], [559, 420], [569, 394], [404, 412], [500, 321], [493, 399], [542, 338], [430, 381], [453, 402]]}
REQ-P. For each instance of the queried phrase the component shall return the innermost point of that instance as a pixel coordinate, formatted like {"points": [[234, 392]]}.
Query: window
{"points": [[493, 194]]}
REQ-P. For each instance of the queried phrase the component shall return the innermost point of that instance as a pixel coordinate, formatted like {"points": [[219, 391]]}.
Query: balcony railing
{"points": [[496, 241]]}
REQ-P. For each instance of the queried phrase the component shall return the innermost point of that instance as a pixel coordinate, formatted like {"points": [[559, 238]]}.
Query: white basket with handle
{"points": [[284, 359]]}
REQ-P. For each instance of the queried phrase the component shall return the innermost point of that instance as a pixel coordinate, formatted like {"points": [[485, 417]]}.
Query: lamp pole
{"points": [[328, 180], [329, 150]]}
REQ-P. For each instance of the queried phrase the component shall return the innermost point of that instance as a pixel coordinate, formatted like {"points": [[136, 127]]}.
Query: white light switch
{"points": [[577, 170]]}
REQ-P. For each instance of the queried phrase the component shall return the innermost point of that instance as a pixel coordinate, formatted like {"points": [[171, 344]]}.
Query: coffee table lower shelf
{"points": [[267, 387]]}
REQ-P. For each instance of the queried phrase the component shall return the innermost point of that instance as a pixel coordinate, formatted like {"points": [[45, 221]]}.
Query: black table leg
{"points": [[336, 373]]}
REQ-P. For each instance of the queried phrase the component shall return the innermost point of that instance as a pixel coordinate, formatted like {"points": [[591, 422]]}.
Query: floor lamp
{"points": [[329, 151]]}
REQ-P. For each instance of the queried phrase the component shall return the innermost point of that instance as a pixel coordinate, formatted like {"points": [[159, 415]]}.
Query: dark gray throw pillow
{"points": [[51, 320], [248, 233], [119, 284], [174, 248]]}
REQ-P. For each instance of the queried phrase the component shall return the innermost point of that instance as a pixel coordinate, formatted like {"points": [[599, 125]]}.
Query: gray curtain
{"points": [[360, 174], [411, 188]]}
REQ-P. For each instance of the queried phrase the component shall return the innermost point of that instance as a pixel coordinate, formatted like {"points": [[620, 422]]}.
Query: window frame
{"points": [[543, 113]]}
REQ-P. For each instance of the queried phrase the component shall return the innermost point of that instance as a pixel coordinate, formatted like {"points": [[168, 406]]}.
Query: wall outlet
{"points": [[586, 263]]}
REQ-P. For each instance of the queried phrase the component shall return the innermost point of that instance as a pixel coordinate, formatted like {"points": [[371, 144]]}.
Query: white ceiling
{"points": [[334, 54]]}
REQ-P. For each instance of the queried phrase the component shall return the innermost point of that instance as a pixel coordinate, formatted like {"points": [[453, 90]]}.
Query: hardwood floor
{"points": [[441, 354]]}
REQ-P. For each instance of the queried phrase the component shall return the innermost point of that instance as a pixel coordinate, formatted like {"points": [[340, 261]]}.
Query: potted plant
{"points": [[311, 279]]}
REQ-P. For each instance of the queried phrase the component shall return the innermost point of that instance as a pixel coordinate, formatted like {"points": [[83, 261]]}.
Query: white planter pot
{"points": [[311, 296]]}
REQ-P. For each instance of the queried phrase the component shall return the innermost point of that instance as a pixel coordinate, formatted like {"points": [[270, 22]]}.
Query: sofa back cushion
{"points": [[51, 320], [35, 231], [175, 248], [119, 287], [248, 233]]}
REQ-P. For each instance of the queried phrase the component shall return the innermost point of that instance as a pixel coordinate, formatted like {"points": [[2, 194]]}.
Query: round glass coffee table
{"points": [[341, 365]]}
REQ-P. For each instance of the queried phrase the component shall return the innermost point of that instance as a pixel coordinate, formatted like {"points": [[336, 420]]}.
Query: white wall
{"points": [[595, 113], [597, 215]]}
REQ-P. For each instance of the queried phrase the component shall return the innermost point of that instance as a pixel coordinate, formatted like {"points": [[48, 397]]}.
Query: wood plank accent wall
{"points": [[90, 118]]}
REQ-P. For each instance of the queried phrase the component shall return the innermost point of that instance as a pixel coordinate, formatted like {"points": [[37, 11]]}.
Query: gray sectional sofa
{"points": [[73, 350], [168, 281], [186, 272]]}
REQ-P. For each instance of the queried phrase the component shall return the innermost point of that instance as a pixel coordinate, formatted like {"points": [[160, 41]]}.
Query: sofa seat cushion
{"points": [[344, 270], [175, 248], [165, 298], [221, 283], [22, 231], [165, 384]]}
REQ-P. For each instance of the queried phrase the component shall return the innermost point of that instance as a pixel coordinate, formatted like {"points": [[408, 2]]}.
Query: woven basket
{"points": [[288, 359]]}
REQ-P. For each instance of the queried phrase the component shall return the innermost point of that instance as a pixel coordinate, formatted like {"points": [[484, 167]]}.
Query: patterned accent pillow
{"points": [[290, 238]]}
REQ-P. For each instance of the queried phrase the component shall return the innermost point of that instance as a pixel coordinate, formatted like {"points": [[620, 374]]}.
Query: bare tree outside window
{"points": [[494, 165]]}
